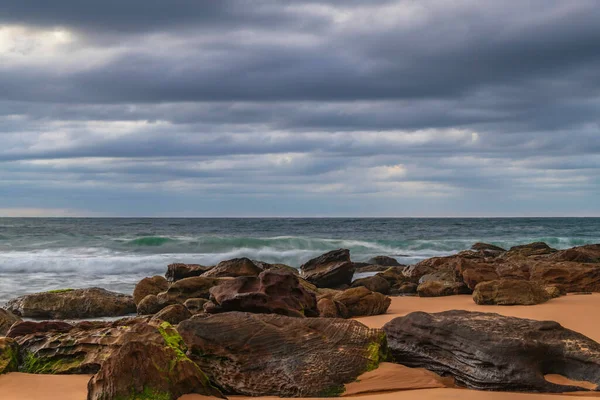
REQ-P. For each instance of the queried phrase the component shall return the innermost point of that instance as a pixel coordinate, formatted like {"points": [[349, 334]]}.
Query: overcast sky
{"points": [[299, 108]]}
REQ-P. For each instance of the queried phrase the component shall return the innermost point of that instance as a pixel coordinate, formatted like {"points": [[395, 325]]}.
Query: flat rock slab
{"points": [[493, 352], [269, 354]]}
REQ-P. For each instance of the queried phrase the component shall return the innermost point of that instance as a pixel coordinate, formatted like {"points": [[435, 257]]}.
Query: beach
{"points": [[575, 312]]}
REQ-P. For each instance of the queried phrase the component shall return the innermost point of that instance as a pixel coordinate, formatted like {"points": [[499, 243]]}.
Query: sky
{"points": [[299, 108]]}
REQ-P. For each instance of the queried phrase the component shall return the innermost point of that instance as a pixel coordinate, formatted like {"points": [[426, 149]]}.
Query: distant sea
{"points": [[38, 254]]}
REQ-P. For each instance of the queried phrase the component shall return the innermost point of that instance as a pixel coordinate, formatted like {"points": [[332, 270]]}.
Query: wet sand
{"points": [[390, 382]]}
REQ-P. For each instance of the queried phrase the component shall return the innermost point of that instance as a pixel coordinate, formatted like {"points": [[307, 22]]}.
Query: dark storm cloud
{"points": [[332, 101]]}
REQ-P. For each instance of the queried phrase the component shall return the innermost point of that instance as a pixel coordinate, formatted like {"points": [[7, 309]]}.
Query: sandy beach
{"points": [[388, 382]]}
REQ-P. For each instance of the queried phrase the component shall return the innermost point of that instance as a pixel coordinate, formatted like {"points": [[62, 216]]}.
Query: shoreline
{"points": [[574, 312]]}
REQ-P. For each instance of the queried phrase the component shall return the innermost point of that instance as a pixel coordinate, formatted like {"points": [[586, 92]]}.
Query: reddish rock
{"points": [[189, 288], [508, 292], [151, 304], [173, 314], [329, 308], [361, 302], [271, 292], [583, 254], [440, 288], [72, 304], [147, 286], [568, 276], [179, 271], [7, 319], [24, 328], [531, 249], [234, 268], [275, 355], [329, 270], [373, 283]]}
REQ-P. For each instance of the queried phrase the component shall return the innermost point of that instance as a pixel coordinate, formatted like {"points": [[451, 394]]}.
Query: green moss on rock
{"points": [[37, 365], [147, 394], [9, 356], [377, 352]]}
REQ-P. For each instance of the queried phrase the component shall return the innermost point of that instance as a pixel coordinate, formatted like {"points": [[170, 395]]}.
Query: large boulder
{"points": [[275, 355], [9, 355], [72, 304], [131, 358], [374, 283], [151, 304], [272, 292], [189, 288], [330, 270], [567, 276], [384, 261], [583, 254], [150, 369], [147, 286], [179, 271], [493, 352], [234, 268], [361, 302], [508, 292], [531, 249], [329, 308], [7, 319], [173, 314], [488, 249]]}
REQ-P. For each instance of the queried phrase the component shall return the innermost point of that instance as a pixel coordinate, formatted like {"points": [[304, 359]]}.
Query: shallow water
{"points": [[51, 253]]}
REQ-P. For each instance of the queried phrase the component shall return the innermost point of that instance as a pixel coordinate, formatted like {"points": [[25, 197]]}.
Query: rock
{"points": [[553, 292], [150, 369], [234, 268], [567, 276], [195, 306], [7, 319], [189, 288], [329, 270], [385, 261], [173, 314], [72, 304], [179, 271], [363, 267], [373, 283], [130, 357], [9, 355], [23, 328], [329, 308], [276, 267], [361, 302], [271, 292], [441, 288], [493, 352], [151, 304], [146, 286], [507, 292], [446, 275], [531, 249], [488, 249], [583, 254], [407, 288], [275, 355]]}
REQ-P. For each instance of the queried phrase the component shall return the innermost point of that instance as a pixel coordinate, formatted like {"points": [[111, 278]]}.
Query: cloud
{"points": [[300, 108]]}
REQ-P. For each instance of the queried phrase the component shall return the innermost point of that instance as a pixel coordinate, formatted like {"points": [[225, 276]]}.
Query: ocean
{"points": [[38, 254]]}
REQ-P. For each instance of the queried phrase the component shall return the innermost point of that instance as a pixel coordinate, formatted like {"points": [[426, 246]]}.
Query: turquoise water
{"points": [[51, 253]]}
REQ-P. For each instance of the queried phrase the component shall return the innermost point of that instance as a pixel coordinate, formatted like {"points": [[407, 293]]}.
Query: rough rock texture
{"points": [[179, 271], [508, 292], [173, 314], [276, 267], [154, 369], [147, 286], [6, 320], [553, 291], [440, 288], [329, 270], [234, 268], [406, 288], [361, 302], [133, 358], [373, 283], [68, 303], [189, 288], [385, 261], [488, 249], [272, 292], [364, 267], [329, 308], [568, 276], [531, 249], [9, 351], [492, 352], [269, 354], [583, 254], [195, 306], [151, 304]]}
